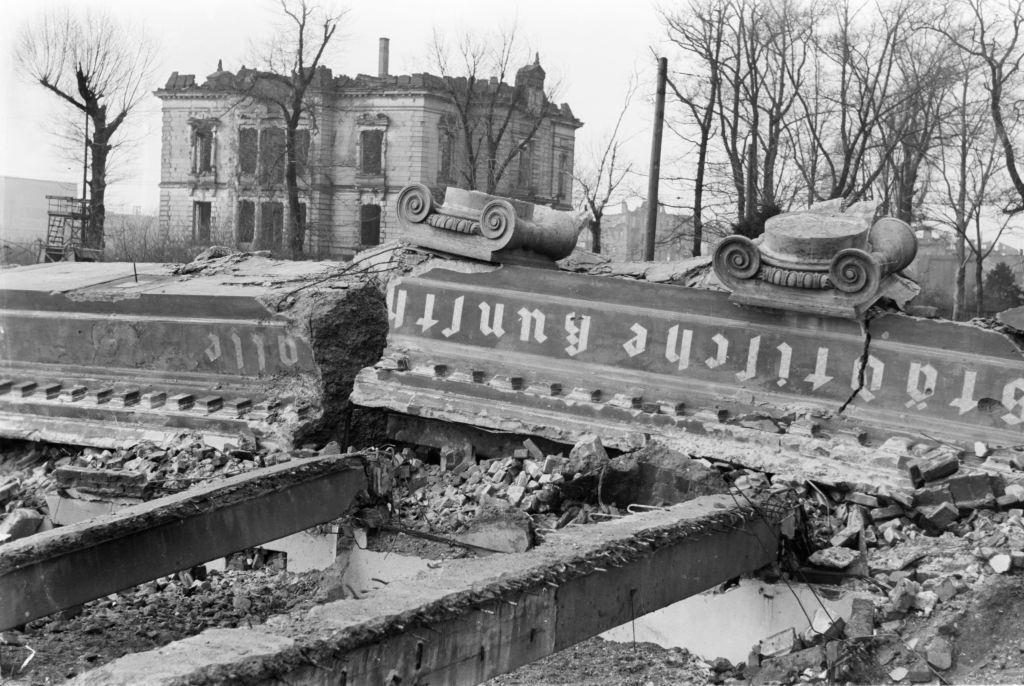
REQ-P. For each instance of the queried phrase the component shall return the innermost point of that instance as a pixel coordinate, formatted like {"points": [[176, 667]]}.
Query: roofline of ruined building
{"points": [[360, 85]]}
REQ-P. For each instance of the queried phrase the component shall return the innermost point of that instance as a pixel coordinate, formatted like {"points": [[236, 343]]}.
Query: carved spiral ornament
{"points": [[853, 271], [414, 203], [738, 257], [498, 220]]}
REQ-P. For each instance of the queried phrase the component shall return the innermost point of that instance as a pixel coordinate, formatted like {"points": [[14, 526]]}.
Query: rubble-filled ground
{"points": [[942, 568]]}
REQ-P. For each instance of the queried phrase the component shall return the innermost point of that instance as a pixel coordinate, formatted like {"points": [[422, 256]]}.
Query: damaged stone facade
{"points": [[222, 169]]}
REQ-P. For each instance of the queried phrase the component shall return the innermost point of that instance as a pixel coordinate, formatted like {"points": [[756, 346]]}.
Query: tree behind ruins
{"points": [[99, 68]]}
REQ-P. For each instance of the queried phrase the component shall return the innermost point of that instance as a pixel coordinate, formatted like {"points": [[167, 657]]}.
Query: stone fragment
{"points": [[932, 495], [505, 529], [902, 595], [980, 450], [971, 491], [932, 468], [946, 590], [1017, 559], [836, 557], [868, 501], [21, 522], [535, 452], [939, 653], [881, 514], [925, 601], [862, 619], [1016, 490], [898, 674], [938, 517], [919, 673], [824, 626], [787, 668], [515, 494], [779, 643], [904, 499], [1000, 563]]}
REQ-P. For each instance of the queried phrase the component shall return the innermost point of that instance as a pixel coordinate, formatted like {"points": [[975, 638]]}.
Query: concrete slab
{"points": [[69, 565], [471, 619]]}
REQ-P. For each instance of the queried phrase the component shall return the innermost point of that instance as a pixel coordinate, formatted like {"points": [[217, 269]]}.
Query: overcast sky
{"points": [[591, 46]]}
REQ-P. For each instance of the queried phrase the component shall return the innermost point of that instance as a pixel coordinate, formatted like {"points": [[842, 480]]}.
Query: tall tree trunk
{"points": [[595, 234], [92, 232], [698, 192], [293, 237], [959, 282]]}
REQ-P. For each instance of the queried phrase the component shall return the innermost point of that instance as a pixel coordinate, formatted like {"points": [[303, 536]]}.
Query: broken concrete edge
{"points": [[170, 509], [328, 632]]}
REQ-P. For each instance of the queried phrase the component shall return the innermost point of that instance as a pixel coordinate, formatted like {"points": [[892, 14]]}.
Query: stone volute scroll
{"points": [[486, 227], [822, 260]]}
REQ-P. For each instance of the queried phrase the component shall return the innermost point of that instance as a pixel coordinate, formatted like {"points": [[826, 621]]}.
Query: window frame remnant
{"points": [[245, 221], [202, 221], [370, 215]]}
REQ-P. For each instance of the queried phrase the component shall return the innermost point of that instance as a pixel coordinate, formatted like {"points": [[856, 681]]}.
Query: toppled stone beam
{"points": [[476, 618], [538, 352], [69, 565], [109, 353]]}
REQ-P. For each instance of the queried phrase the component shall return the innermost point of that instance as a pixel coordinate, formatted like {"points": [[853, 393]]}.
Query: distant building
{"points": [[934, 268], [23, 215], [222, 170], [622, 235]]}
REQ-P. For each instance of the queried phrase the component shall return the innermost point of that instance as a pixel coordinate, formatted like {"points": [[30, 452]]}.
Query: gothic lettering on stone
{"points": [[721, 352], [872, 377], [1013, 402], [491, 325], [456, 324], [966, 402], [531, 322], [213, 350], [819, 378], [638, 343], [920, 384], [396, 307], [775, 361], [287, 349], [577, 331], [679, 355], [751, 371], [785, 358], [427, 320]]}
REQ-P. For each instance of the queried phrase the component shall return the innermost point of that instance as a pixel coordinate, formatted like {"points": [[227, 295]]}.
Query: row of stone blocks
{"points": [[130, 397]]}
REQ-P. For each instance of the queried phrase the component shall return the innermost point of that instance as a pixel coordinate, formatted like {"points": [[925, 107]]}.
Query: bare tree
{"points": [[496, 121], [699, 31], [288, 71], [102, 69], [601, 178], [993, 36]]}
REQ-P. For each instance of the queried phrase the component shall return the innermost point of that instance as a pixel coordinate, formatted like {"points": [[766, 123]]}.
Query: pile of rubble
{"points": [[556, 490], [913, 557]]}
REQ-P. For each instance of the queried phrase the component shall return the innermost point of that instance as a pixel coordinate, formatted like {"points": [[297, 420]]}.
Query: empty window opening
{"points": [[525, 166], [247, 151], [272, 156], [371, 144], [246, 227], [202, 160], [201, 213], [563, 174], [444, 174], [272, 223], [369, 225]]}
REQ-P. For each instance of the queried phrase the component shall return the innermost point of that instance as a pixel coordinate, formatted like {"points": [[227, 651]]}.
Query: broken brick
{"points": [[932, 495], [971, 491], [930, 469], [938, 517], [881, 514]]}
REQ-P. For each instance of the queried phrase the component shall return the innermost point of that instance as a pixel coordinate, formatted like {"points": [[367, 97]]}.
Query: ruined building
{"points": [[222, 177]]}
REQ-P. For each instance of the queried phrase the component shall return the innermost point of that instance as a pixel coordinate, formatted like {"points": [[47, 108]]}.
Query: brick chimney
{"points": [[382, 57]]}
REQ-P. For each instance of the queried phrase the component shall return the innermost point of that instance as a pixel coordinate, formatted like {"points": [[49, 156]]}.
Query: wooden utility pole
{"points": [[655, 173]]}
